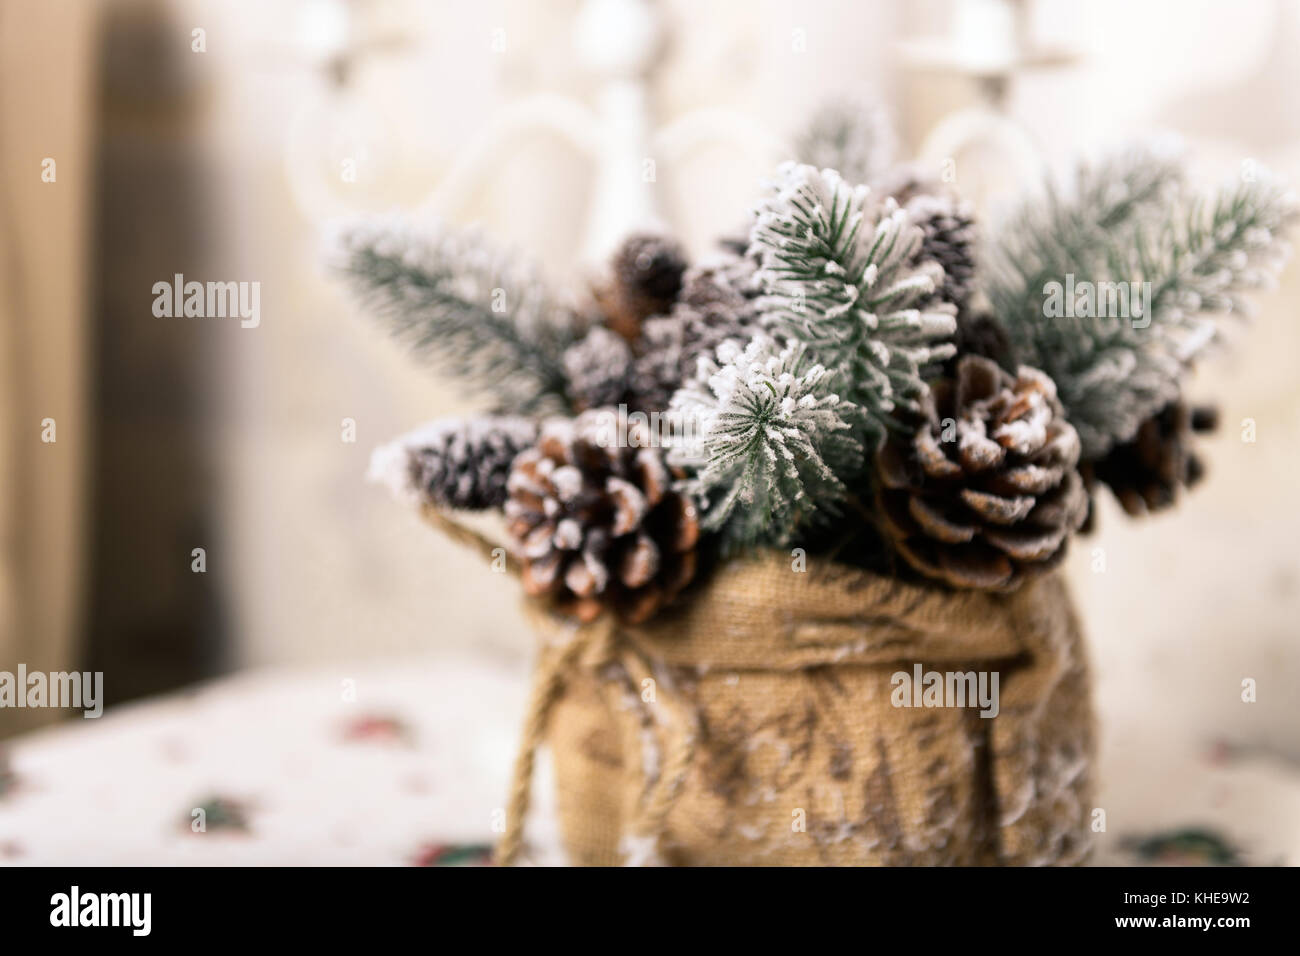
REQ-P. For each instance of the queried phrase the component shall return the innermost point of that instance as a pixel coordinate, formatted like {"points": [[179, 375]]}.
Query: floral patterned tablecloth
{"points": [[379, 766], [407, 765]]}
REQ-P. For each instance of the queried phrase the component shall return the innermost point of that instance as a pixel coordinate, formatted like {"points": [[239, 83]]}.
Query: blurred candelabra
{"points": [[990, 44], [620, 43]]}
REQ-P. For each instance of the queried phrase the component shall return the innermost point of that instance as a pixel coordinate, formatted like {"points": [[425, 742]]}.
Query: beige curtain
{"points": [[47, 64]]}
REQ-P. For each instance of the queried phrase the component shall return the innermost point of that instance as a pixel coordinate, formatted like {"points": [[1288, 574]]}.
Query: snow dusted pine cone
{"points": [[598, 368], [647, 277], [656, 370], [948, 229], [1147, 473], [465, 464], [981, 334], [947, 223], [596, 522], [717, 303], [603, 370], [986, 493]]}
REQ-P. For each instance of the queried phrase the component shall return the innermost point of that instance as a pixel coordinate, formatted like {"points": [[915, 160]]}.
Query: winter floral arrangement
{"points": [[865, 375]]}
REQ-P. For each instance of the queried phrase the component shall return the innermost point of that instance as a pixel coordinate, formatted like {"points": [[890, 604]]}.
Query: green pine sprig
{"points": [[838, 274], [480, 313], [1133, 221], [765, 440], [854, 138]]}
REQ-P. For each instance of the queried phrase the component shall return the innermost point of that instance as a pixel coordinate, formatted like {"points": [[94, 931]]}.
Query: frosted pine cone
{"points": [[647, 275], [603, 370], [465, 463], [598, 525], [986, 493], [598, 368], [643, 367], [717, 303], [948, 227], [981, 334], [657, 369], [947, 222], [1148, 473]]}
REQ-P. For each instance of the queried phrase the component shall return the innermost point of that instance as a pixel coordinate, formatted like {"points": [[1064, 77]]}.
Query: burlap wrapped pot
{"points": [[755, 723]]}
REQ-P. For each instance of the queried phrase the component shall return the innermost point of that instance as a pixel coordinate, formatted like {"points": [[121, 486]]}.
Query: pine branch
{"points": [[855, 139], [455, 463], [1075, 231], [837, 274], [1198, 257], [766, 441], [479, 312], [1221, 249]]}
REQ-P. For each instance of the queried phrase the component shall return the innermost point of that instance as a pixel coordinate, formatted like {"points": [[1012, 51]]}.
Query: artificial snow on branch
{"points": [[1071, 230], [1174, 263], [855, 139], [453, 462], [482, 313], [859, 356], [765, 439], [1217, 250], [838, 273]]}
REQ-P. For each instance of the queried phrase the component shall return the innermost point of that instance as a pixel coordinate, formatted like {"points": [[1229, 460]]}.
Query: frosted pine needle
{"points": [[1131, 220], [765, 438], [482, 312], [837, 274]]}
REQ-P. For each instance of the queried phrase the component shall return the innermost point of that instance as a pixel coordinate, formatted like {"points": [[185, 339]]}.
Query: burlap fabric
{"points": [[753, 724]]}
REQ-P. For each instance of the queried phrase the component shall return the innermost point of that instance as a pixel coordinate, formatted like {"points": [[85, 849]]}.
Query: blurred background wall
{"points": [[47, 132], [179, 434]]}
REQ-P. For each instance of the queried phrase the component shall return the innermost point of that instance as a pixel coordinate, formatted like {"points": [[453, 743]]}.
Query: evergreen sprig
{"points": [[483, 314], [856, 139], [766, 440], [837, 273], [1133, 221], [1078, 229]]}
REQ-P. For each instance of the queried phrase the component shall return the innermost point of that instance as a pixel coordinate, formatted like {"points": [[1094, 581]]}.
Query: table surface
{"points": [[378, 766], [407, 764]]}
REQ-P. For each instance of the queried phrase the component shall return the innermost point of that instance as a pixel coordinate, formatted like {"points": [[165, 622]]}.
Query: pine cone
{"points": [[717, 302], [597, 524], [947, 222], [597, 368], [657, 369], [1147, 473], [948, 228], [647, 277], [603, 370], [994, 503], [981, 334], [465, 464]]}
